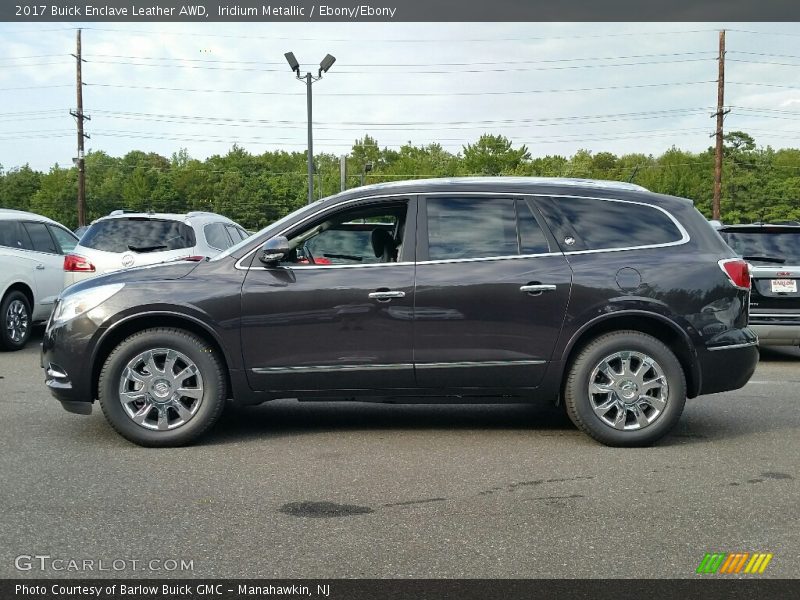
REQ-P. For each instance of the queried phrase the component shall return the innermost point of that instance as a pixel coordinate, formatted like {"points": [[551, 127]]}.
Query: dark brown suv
{"points": [[617, 302]]}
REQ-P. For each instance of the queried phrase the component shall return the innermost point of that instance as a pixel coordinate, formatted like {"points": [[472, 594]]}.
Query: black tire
{"points": [[208, 363], [579, 402], [7, 342]]}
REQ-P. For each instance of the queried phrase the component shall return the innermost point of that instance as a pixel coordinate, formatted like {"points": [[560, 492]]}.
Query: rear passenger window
{"points": [[12, 235], [41, 239], [471, 228], [216, 236], [604, 224]]}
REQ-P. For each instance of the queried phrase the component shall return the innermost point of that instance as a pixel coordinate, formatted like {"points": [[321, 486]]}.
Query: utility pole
{"points": [[720, 114], [79, 116], [342, 172]]}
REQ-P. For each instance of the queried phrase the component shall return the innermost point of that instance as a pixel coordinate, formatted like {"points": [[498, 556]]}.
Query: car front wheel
{"points": [[162, 387], [625, 388]]}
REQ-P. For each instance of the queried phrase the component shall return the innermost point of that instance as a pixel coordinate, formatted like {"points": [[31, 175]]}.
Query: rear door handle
{"points": [[386, 295], [40, 267], [537, 288]]}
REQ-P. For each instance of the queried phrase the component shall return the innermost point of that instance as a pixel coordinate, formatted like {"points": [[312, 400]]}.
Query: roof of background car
{"points": [[494, 182], [10, 213], [193, 216], [753, 227]]}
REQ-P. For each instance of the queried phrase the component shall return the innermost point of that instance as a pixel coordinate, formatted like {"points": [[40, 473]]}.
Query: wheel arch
{"points": [[20, 286], [127, 327], [660, 327]]}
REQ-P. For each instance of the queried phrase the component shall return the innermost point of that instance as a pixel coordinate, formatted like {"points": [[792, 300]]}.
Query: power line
{"points": [[418, 72], [401, 40], [405, 94], [421, 64], [410, 126]]}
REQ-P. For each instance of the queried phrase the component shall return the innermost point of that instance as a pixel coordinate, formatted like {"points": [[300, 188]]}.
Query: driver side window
{"points": [[357, 236]]}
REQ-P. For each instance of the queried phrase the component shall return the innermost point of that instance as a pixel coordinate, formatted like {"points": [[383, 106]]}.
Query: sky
{"points": [[555, 87]]}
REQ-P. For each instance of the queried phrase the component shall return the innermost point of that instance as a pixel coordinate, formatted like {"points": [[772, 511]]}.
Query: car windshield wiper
{"points": [[769, 259], [146, 248]]}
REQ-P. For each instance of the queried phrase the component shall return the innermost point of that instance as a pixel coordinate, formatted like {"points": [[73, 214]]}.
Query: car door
{"points": [[48, 266], [338, 316], [491, 293]]}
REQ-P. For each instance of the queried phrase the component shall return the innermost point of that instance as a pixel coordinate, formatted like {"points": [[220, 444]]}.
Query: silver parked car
{"points": [[123, 240]]}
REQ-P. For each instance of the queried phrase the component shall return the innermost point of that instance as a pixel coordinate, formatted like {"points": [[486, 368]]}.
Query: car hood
{"points": [[168, 271]]}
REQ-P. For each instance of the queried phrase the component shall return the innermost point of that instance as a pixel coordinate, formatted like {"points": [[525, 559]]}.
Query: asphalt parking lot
{"points": [[359, 490]]}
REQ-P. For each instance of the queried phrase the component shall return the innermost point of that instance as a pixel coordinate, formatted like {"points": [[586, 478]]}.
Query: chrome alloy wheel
{"points": [[161, 389], [628, 390], [17, 321]]}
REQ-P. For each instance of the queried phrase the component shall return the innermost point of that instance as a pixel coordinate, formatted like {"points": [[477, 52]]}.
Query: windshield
{"points": [[309, 208], [765, 247]]}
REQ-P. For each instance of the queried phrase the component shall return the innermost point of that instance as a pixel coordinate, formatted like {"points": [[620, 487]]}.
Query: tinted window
{"points": [[12, 235], [40, 238], [138, 234], [471, 228], [216, 236], [779, 246], [237, 234], [65, 240], [604, 224], [531, 237]]}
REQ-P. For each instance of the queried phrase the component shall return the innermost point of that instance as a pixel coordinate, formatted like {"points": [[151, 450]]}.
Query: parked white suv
{"points": [[32, 250], [123, 240]]}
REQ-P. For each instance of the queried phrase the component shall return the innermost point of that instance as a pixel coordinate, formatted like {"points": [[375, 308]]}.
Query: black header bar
{"points": [[398, 10]]}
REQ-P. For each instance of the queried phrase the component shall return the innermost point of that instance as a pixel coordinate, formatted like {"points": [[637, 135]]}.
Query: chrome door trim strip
{"points": [[392, 366], [477, 363], [684, 234], [733, 346], [330, 368]]}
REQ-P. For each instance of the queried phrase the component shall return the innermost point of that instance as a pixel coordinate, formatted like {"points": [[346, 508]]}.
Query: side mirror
{"points": [[274, 249]]}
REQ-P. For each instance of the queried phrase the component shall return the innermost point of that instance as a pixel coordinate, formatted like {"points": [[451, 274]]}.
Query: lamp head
{"points": [[292, 62]]}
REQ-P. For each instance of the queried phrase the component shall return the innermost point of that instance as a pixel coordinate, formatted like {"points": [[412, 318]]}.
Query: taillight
{"points": [[74, 263], [738, 271], [194, 258]]}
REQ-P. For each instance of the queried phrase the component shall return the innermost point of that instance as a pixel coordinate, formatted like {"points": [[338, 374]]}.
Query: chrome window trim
{"points": [[733, 346], [684, 234], [795, 314]]}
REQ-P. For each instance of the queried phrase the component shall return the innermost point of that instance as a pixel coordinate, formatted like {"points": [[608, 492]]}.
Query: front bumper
{"points": [[66, 360]]}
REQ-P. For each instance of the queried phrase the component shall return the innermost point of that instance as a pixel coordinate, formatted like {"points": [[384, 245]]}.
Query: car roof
{"points": [[9, 213], [760, 228], [200, 216], [505, 182]]}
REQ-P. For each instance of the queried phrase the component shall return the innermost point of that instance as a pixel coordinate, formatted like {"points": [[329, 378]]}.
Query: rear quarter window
{"points": [[611, 224], [138, 234]]}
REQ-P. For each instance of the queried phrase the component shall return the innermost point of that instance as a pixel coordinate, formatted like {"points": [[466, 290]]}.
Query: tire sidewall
{"points": [[195, 349], [5, 341], [577, 396]]}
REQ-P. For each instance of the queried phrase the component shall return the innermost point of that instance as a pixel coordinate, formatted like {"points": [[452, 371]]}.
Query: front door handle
{"points": [[537, 288], [383, 296]]}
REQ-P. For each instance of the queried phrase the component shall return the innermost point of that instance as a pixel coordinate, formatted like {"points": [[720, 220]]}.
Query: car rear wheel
{"points": [[625, 389], [15, 311], [162, 387]]}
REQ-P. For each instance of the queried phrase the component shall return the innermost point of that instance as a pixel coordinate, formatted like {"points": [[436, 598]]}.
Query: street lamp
{"points": [[308, 79]]}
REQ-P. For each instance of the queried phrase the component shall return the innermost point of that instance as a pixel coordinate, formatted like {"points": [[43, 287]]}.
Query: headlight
{"points": [[73, 305]]}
